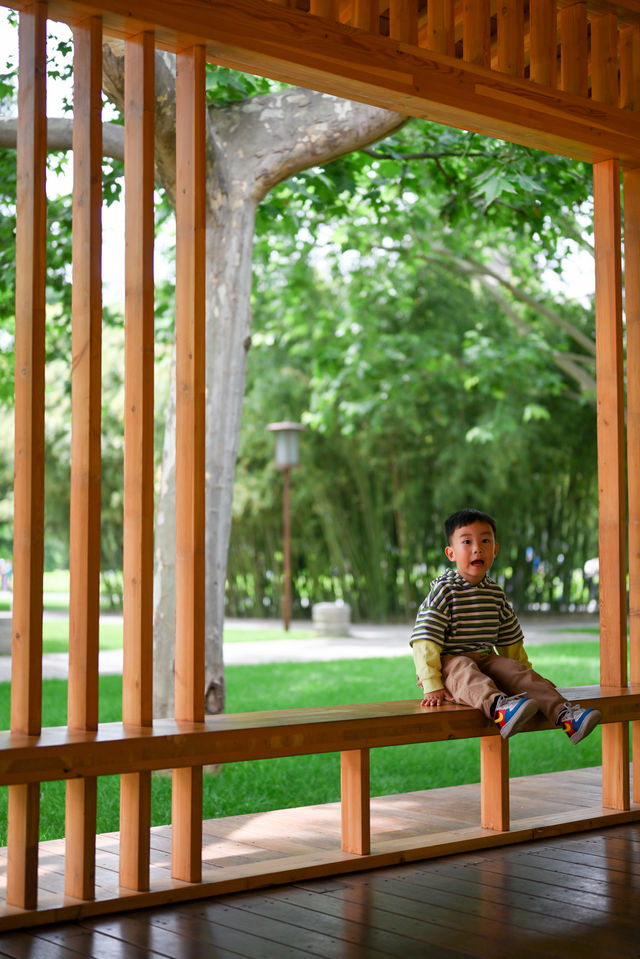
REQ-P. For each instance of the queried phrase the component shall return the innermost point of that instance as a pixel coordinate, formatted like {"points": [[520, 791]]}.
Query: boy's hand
{"points": [[436, 698]]}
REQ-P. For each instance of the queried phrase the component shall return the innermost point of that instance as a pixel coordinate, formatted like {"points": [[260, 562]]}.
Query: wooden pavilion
{"points": [[553, 74]]}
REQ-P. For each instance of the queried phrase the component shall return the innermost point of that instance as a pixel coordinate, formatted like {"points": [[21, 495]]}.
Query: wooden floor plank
{"points": [[272, 848], [524, 900]]}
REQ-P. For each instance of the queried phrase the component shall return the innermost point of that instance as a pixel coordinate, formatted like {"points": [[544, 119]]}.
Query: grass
{"points": [[55, 634], [297, 781]]}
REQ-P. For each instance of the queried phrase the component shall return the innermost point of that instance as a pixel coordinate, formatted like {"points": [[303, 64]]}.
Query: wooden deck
{"points": [[366, 913], [570, 896]]}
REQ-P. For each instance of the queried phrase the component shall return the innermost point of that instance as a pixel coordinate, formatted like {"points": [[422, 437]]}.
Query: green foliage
{"points": [[425, 383]]}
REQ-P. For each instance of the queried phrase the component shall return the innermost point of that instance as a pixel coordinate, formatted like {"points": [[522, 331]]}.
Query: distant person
{"points": [[5, 573], [468, 645]]}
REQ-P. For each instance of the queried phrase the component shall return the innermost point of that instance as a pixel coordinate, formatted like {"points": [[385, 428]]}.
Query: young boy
{"points": [[463, 621]]}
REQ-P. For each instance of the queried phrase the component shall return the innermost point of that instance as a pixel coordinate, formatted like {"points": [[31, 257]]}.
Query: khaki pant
{"points": [[475, 679]]}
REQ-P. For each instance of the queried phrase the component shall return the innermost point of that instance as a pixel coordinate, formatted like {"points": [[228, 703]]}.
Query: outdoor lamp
{"points": [[287, 453]]}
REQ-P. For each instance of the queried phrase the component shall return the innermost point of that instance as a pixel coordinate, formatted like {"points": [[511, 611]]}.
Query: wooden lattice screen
{"points": [[554, 75]]}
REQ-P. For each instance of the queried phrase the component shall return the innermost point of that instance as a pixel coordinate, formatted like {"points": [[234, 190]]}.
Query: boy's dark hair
{"points": [[464, 517]]}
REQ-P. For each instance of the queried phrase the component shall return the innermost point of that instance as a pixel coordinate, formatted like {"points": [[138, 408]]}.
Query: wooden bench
{"points": [[59, 753]]}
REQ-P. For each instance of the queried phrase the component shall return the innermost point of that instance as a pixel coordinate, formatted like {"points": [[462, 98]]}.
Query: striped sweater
{"points": [[456, 618]]}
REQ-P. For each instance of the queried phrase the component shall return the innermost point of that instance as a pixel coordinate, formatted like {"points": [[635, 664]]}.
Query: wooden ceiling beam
{"points": [[262, 37]]}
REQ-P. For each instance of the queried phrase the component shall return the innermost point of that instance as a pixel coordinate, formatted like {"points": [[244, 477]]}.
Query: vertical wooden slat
{"points": [[544, 42], [137, 691], [631, 186], [440, 35], [574, 60], [476, 32], [403, 20], [630, 68], [84, 527], [355, 806], [366, 16], [494, 783], [190, 374], [28, 537], [604, 58], [328, 9], [611, 471], [510, 27]]}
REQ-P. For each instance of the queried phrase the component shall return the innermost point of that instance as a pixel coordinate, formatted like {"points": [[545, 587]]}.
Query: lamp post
{"points": [[287, 457]]}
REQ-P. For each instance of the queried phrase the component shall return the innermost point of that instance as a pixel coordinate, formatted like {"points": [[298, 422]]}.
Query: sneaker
{"points": [[512, 712], [578, 722]]}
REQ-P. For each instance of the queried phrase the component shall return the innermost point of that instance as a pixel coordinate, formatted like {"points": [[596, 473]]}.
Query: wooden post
{"points": [[403, 20], [137, 691], [630, 68], [574, 60], [366, 16], [28, 535], [511, 37], [355, 806], [544, 42], [476, 32], [86, 349], [286, 547], [440, 27], [494, 783], [604, 58], [191, 204], [328, 9], [611, 472], [631, 185]]}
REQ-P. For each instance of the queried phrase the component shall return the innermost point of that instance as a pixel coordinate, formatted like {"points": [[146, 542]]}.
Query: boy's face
{"points": [[473, 549]]}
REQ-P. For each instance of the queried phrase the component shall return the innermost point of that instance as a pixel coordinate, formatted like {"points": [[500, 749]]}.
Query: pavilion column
{"points": [[190, 473], [86, 413], [631, 185], [137, 686], [611, 472], [28, 532]]}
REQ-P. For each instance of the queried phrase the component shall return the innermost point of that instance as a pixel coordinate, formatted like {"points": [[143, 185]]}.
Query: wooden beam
{"points": [[190, 376], [28, 536], [137, 691], [287, 44], [86, 403], [631, 188], [355, 793], [611, 471]]}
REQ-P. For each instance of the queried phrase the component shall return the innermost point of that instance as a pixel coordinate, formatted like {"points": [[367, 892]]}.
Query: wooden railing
{"points": [[560, 61]]}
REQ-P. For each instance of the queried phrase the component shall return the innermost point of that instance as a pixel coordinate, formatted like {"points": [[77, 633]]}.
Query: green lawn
{"points": [[279, 783], [55, 634]]}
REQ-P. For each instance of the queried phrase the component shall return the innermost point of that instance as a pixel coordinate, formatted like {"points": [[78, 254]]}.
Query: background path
{"points": [[365, 641]]}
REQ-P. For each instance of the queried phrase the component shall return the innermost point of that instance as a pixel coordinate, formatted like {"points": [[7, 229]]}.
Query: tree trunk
{"points": [[252, 146]]}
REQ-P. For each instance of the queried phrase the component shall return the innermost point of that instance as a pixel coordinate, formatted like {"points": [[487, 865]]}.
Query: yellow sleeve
{"points": [[515, 651], [426, 656]]}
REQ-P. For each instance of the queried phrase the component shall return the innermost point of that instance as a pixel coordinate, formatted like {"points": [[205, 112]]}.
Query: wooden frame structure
{"points": [[552, 74]]}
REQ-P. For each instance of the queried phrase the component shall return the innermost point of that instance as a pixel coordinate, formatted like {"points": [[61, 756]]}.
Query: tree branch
{"points": [[60, 136], [480, 270]]}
